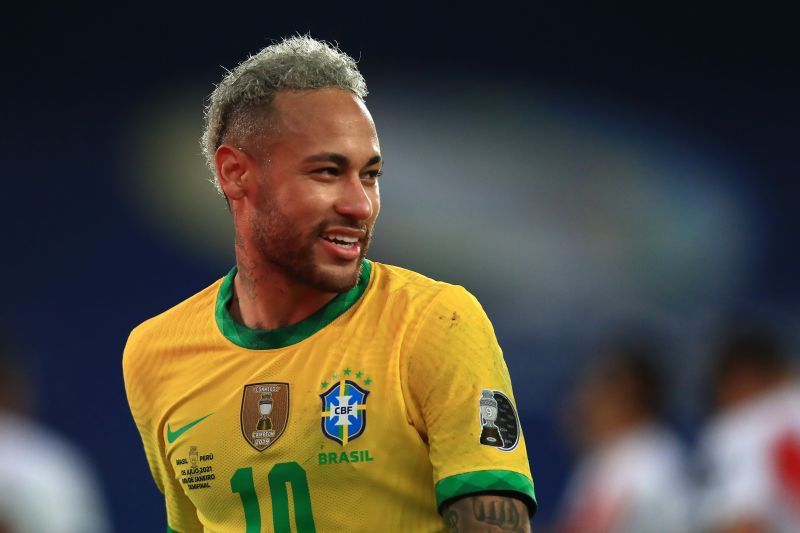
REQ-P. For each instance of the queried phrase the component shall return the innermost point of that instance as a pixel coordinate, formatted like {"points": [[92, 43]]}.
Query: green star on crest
{"points": [[346, 371], [359, 374], [324, 384], [336, 376], [367, 381]]}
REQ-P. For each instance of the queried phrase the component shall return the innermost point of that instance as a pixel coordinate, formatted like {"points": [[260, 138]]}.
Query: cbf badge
{"points": [[265, 411], [344, 411], [499, 421]]}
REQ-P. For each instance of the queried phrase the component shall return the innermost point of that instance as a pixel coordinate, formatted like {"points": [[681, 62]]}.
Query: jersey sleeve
{"points": [[181, 513], [459, 398]]}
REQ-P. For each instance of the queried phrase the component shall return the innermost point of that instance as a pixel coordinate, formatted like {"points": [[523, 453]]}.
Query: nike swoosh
{"points": [[172, 436]]}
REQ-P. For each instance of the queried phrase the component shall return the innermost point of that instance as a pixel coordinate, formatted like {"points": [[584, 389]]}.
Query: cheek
{"points": [[375, 198]]}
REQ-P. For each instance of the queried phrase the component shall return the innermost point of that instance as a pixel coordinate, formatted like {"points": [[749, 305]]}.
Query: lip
{"points": [[347, 232], [346, 254]]}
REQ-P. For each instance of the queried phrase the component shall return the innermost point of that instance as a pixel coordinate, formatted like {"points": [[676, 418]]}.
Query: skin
{"points": [[486, 513], [316, 174], [606, 409]]}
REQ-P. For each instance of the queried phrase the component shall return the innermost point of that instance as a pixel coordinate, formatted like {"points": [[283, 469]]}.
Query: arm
{"points": [[454, 367], [141, 386], [487, 513]]}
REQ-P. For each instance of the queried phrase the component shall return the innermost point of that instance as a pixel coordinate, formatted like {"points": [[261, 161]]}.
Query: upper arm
{"points": [[462, 403], [142, 387], [487, 513]]}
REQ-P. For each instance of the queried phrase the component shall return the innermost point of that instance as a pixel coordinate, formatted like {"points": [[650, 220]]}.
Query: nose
{"points": [[354, 202]]}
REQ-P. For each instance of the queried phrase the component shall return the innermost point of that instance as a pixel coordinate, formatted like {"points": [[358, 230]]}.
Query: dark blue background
{"points": [[81, 268]]}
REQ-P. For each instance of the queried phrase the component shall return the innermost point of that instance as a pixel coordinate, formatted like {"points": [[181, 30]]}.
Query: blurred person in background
{"points": [[46, 486], [750, 451], [631, 476]]}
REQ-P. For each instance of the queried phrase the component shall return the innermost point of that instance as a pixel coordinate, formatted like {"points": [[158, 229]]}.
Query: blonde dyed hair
{"points": [[239, 109]]}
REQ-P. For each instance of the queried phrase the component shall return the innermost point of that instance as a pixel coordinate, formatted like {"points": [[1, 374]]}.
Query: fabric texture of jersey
{"points": [[367, 416]]}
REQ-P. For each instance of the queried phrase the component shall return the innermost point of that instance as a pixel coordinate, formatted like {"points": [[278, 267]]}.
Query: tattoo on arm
{"points": [[487, 513], [451, 517]]}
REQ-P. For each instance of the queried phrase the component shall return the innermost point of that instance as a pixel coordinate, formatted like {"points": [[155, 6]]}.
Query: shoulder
{"points": [[183, 320], [744, 429], [402, 287], [653, 454], [197, 304]]}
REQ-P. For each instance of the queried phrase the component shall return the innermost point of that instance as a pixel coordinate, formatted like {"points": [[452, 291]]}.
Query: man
{"points": [[311, 388], [46, 483], [750, 450], [632, 476]]}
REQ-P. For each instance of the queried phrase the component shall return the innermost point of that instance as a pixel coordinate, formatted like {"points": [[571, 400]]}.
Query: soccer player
{"points": [[311, 388], [630, 459], [750, 450]]}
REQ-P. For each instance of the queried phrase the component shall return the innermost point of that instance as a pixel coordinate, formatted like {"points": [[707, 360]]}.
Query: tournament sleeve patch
{"points": [[499, 421]]}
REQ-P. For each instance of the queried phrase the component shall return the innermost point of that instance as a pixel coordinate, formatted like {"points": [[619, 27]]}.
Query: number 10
{"points": [[280, 474]]}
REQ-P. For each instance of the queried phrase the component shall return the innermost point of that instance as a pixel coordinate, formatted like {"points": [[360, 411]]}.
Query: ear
{"points": [[234, 169]]}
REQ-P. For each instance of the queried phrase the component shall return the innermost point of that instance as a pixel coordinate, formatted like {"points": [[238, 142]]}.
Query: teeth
{"points": [[341, 238]]}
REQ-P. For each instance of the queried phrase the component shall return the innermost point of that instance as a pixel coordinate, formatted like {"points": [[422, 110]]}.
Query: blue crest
{"points": [[344, 411]]}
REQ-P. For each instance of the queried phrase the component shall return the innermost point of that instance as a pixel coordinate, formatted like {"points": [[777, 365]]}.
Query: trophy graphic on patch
{"points": [[490, 434], [265, 408], [194, 457]]}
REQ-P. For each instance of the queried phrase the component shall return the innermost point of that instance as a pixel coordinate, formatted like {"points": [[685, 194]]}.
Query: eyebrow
{"points": [[338, 159]]}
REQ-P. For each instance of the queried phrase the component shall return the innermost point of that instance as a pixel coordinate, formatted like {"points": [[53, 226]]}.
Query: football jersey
{"points": [[751, 460], [366, 416], [620, 486]]}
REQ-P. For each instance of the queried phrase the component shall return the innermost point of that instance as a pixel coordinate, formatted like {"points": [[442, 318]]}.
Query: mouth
{"points": [[343, 243]]}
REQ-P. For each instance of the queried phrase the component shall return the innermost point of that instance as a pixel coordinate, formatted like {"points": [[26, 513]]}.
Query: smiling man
{"points": [[311, 389]]}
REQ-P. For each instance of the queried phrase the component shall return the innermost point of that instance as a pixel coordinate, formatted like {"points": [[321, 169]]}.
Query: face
{"points": [[317, 196]]}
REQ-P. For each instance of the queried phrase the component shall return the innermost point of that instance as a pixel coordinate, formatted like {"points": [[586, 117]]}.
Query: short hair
{"points": [[239, 107], [632, 365], [756, 349]]}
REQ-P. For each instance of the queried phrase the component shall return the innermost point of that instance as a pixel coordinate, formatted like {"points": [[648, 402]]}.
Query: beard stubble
{"points": [[280, 242]]}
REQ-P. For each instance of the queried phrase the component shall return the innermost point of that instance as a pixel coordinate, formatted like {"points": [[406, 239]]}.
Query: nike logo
{"points": [[172, 436]]}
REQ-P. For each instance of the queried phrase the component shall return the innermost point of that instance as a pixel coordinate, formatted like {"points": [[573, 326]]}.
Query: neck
{"points": [[266, 297]]}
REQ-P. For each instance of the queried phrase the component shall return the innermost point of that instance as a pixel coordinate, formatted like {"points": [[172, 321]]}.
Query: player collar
{"points": [[270, 339]]}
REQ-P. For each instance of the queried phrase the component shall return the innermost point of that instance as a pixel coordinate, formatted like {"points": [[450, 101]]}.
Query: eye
{"points": [[333, 171], [325, 173], [372, 175]]}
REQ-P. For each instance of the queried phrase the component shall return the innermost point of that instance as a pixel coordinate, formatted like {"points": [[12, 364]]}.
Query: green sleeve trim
{"points": [[486, 481], [268, 339], [170, 530]]}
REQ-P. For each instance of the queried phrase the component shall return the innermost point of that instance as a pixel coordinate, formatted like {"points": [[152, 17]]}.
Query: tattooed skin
{"points": [[451, 517], [487, 514]]}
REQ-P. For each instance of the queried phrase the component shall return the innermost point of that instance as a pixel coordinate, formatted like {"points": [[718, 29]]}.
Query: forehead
{"points": [[327, 120]]}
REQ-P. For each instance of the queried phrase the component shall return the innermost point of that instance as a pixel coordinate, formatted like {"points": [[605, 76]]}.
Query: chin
{"points": [[336, 278]]}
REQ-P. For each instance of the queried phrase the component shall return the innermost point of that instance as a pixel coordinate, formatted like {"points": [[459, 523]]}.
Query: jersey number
{"points": [[281, 474]]}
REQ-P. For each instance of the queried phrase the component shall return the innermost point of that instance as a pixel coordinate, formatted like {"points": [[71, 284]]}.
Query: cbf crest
{"points": [[265, 412], [344, 411]]}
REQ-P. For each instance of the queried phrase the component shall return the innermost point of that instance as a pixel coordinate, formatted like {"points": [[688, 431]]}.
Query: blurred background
{"points": [[588, 172]]}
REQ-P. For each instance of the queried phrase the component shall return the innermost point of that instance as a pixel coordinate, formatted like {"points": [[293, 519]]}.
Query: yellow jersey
{"points": [[366, 416]]}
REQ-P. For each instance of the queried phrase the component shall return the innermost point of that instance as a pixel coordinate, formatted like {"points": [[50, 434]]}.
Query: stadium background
{"points": [[580, 169]]}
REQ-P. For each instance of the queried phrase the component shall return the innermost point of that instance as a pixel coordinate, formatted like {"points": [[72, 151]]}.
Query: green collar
{"points": [[267, 339]]}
